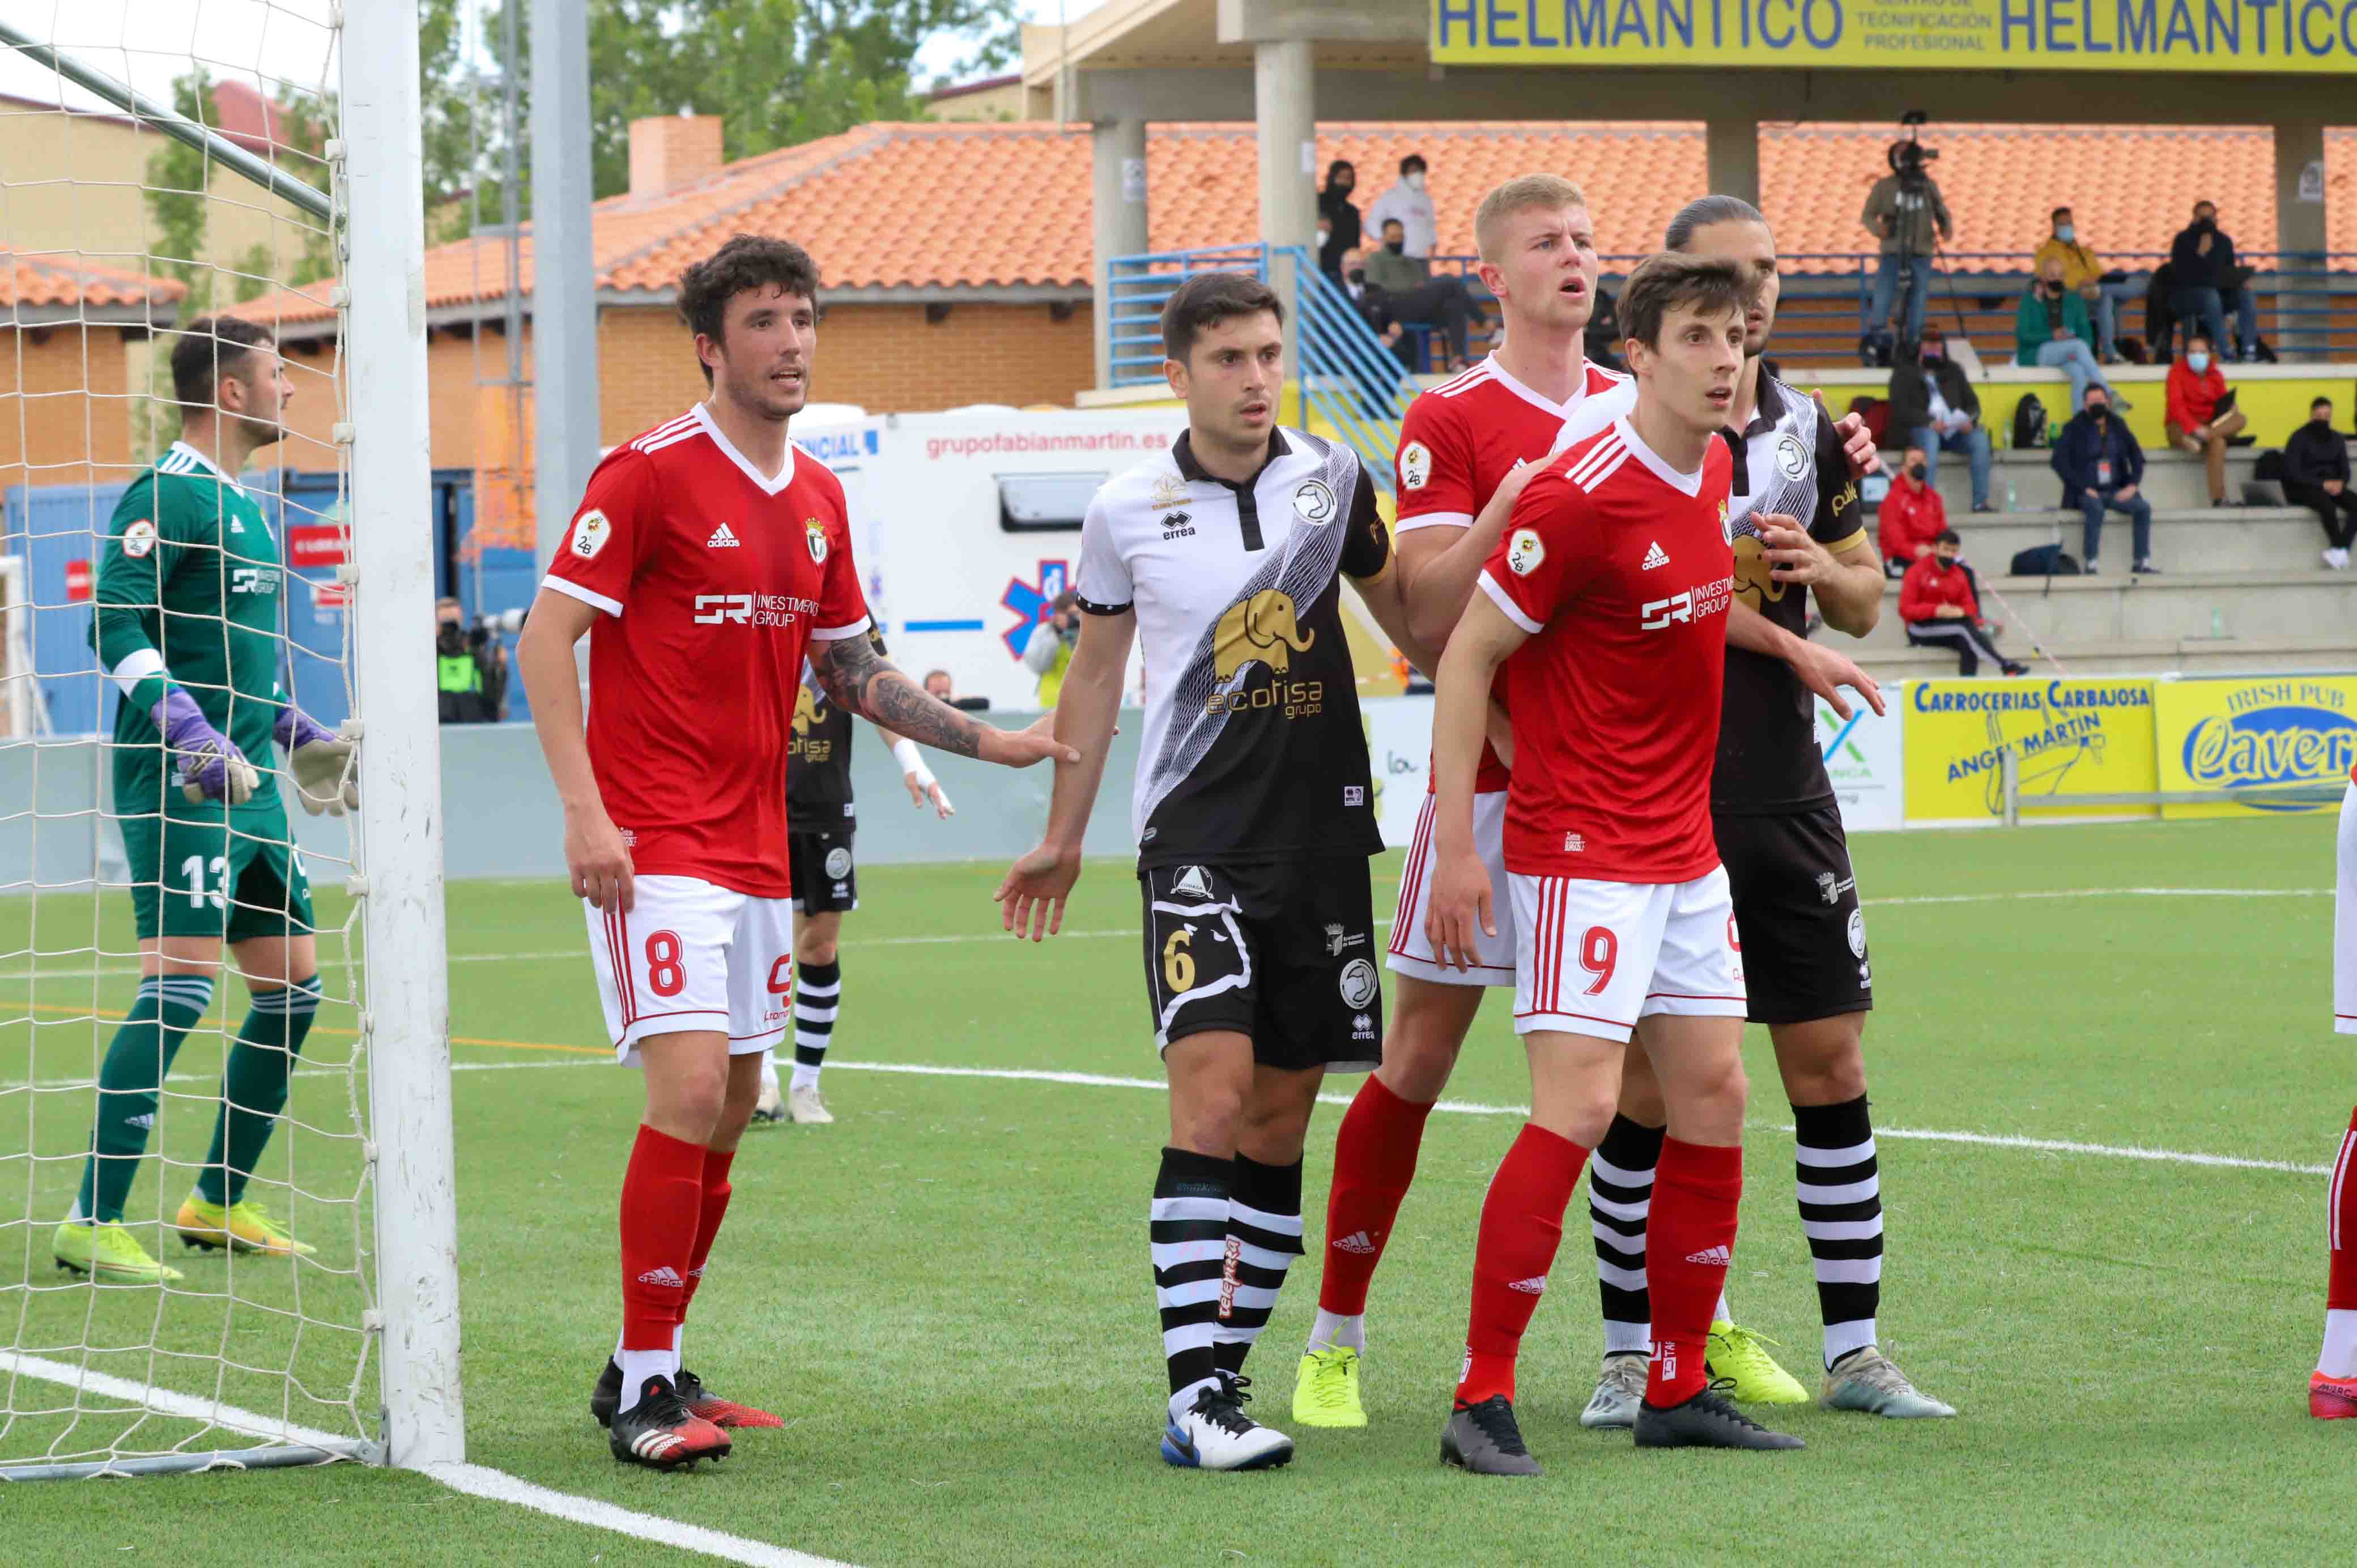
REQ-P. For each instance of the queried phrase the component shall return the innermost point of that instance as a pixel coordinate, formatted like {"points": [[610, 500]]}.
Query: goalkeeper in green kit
{"points": [[189, 611]]}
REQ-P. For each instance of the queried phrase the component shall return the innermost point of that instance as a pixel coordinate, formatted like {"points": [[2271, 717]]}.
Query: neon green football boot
{"points": [[241, 1227], [1326, 1389], [109, 1254], [1742, 1368]]}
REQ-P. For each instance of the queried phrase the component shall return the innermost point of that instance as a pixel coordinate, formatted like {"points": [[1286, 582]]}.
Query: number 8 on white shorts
{"points": [[690, 955], [1592, 957]]}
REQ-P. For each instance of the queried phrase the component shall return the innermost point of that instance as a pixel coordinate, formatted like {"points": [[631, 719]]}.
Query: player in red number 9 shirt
{"points": [[712, 559], [1605, 605]]}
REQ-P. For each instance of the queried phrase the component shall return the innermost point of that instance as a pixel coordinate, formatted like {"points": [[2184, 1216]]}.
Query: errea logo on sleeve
{"points": [[590, 531], [1525, 554]]}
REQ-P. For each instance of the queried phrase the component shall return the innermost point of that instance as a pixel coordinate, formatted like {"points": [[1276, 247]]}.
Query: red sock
{"points": [[663, 1196], [1374, 1161], [707, 1222], [1689, 1244], [1522, 1225], [2341, 1294]]}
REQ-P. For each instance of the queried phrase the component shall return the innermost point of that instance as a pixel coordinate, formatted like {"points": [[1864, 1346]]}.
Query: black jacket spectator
{"points": [[2190, 267], [2084, 444], [1602, 340], [1910, 400], [2314, 453], [1342, 216]]}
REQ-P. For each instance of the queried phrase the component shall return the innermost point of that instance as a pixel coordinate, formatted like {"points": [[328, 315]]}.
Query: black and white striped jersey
{"points": [[1253, 749]]}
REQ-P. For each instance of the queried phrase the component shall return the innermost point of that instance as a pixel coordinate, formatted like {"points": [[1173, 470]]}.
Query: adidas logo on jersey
{"points": [[664, 1276], [1712, 1257], [1534, 1285], [148, 1122], [1656, 556], [723, 540], [1357, 1242]]}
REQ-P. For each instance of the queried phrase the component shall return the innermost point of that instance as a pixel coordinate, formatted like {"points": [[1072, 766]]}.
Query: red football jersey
{"points": [[717, 580], [1620, 568], [1458, 444]]}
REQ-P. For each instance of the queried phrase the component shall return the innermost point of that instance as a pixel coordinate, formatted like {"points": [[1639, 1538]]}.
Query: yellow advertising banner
{"points": [[2072, 738], [2283, 38], [2275, 730]]}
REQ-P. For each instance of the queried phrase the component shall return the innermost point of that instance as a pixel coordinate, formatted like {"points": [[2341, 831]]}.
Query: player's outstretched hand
{"points": [[599, 860], [1857, 441], [925, 791], [1792, 556], [1460, 907], [1825, 672], [1031, 898], [1022, 747]]}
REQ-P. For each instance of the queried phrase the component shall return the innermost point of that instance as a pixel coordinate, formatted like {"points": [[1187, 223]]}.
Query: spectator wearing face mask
{"points": [[1912, 515], [2203, 272], [2051, 330], [1941, 604], [1418, 298], [1934, 406], [1338, 218], [2316, 476], [2082, 274], [2102, 466], [2196, 425], [1410, 205], [1373, 304]]}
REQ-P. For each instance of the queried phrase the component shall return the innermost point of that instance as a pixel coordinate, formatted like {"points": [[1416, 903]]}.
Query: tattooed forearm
{"points": [[857, 677]]}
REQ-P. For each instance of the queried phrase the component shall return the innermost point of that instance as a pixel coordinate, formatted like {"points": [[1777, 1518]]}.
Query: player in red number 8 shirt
{"points": [[1604, 604], [713, 558]]}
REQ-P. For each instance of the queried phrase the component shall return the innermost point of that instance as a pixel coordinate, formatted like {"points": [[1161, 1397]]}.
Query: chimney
{"points": [[672, 151]]}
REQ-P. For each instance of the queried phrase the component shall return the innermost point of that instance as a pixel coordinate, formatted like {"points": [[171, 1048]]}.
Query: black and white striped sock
{"points": [[1264, 1238], [1619, 1198], [1188, 1239], [818, 994], [1840, 1194]]}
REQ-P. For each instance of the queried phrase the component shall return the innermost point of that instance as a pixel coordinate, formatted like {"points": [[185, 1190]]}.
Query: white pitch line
{"points": [[961, 938], [475, 1480]]}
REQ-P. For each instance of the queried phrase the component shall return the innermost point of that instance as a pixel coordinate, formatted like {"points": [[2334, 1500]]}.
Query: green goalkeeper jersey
{"points": [[188, 593]]}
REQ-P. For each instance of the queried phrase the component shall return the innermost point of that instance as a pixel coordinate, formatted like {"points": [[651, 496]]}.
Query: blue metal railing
{"points": [[1137, 287]]}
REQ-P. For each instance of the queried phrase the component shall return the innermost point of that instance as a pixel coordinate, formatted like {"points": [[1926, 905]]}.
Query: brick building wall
{"points": [[63, 415]]}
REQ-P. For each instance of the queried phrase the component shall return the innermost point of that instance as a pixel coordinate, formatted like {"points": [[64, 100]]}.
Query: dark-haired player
{"points": [[1603, 604], [675, 803], [188, 607], [1255, 818]]}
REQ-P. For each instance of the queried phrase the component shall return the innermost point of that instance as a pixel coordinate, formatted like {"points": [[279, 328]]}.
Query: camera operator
{"points": [[1906, 212], [470, 668]]}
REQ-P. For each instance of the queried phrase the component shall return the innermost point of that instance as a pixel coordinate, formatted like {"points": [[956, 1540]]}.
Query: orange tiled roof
{"points": [[973, 206], [61, 279]]}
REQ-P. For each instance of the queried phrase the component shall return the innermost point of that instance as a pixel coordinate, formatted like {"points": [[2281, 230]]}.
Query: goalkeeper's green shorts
{"points": [[229, 879]]}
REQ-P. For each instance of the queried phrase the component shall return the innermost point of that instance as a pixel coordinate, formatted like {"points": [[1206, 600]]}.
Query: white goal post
{"points": [[389, 1302]]}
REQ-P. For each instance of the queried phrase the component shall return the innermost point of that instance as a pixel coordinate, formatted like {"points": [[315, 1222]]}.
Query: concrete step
{"points": [[2302, 606], [2161, 655], [2237, 539], [2172, 479]]}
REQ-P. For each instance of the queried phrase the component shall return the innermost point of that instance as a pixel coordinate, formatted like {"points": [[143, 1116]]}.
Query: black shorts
{"points": [[1796, 910], [825, 880], [1283, 952]]}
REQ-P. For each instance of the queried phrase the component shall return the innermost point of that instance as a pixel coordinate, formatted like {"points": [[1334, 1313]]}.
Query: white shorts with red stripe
{"points": [[2344, 922], [690, 955], [1412, 955], [1595, 957]]}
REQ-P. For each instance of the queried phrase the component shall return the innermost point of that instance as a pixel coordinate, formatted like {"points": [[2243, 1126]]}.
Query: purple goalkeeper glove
{"points": [[205, 765], [295, 729]]}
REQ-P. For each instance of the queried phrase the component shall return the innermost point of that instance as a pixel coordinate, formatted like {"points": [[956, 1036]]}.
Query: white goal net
{"points": [[214, 1248]]}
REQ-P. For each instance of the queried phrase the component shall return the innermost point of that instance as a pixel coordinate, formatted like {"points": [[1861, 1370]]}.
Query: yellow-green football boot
{"points": [[109, 1254], [244, 1227], [1741, 1367], [1326, 1389]]}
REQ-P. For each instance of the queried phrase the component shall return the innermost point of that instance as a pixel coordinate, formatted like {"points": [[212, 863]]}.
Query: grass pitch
{"points": [[946, 1293]]}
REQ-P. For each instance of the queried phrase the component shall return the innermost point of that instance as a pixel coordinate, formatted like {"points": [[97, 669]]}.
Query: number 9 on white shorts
{"points": [[1592, 957], [692, 956]]}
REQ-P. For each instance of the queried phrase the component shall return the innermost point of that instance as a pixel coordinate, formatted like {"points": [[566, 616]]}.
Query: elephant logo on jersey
{"points": [[1754, 578], [1261, 629], [814, 531], [806, 712]]}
